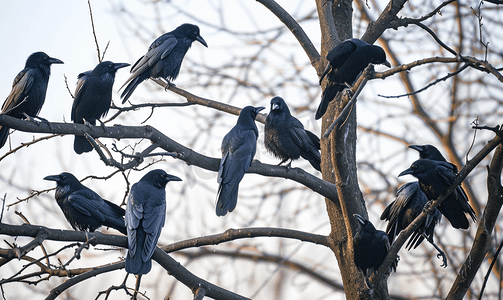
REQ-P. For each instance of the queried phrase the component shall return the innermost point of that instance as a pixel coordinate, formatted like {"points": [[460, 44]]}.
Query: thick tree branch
{"points": [[409, 66], [329, 36], [193, 99], [376, 28], [234, 234], [265, 257], [188, 155], [174, 268], [295, 28], [271, 258]]}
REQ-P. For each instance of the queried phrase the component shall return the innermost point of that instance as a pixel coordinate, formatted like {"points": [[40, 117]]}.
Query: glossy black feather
{"points": [[28, 90], [163, 58], [435, 177], [345, 62], [93, 96], [409, 203], [456, 205], [370, 246], [83, 208], [238, 150], [286, 138], [145, 216]]}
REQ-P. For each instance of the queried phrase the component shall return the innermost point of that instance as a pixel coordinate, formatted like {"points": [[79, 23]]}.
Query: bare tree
{"points": [[444, 85]]}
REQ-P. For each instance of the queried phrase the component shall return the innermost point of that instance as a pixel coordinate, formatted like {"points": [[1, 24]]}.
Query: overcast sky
{"points": [[61, 29]]}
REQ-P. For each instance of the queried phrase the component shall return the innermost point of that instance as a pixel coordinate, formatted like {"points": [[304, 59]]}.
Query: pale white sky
{"points": [[62, 30]]}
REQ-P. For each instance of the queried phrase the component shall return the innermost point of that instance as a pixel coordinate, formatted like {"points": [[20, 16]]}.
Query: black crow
{"points": [[456, 204], [93, 97], [28, 90], [370, 247], [238, 150], [286, 138], [345, 62], [164, 57], [409, 203], [83, 208], [145, 215], [435, 177]]}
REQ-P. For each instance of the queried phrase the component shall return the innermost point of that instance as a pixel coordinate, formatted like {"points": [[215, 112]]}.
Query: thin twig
{"points": [[105, 51], [145, 153], [78, 251], [110, 161], [3, 206], [122, 286], [38, 241], [23, 145], [495, 259], [475, 122], [478, 15], [33, 194], [134, 107], [94, 32], [67, 87], [449, 75]]}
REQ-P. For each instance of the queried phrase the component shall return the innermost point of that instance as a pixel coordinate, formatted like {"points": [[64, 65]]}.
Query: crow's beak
{"points": [[360, 219], [201, 40], [258, 109], [418, 148], [409, 171], [117, 66], [274, 106], [53, 60], [52, 178], [387, 64], [172, 178]]}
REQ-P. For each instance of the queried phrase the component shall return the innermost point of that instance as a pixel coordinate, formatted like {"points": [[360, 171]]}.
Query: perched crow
{"points": [[238, 150], [456, 204], [409, 203], [286, 138], [145, 214], [435, 177], [345, 62], [93, 97], [28, 90], [371, 247], [164, 57], [83, 208]]}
